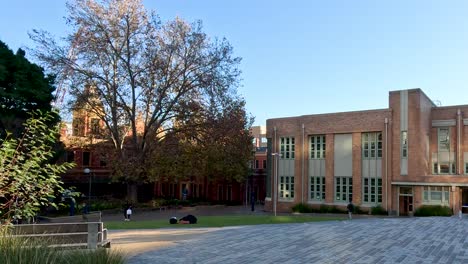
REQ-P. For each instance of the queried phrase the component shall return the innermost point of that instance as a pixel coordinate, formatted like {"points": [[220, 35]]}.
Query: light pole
{"points": [[276, 157], [87, 171]]}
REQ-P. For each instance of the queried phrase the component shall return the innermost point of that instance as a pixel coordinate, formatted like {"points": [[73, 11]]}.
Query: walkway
{"points": [[378, 240]]}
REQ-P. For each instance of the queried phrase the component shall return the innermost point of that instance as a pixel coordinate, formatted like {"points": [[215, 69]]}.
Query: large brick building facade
{"points": [[85, 143], [411, 154]]}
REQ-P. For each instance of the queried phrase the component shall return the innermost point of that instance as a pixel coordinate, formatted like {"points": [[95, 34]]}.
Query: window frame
{"points": [[371, 145], [404, 144], [427, 195], [317, 188], [343, 186], [286, 188], [439, 143], [287, 147], [436, 168], [83, 158], [376, 186], [317, 146]]}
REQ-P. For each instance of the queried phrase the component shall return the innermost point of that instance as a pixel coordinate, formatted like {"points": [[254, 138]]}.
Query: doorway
{"points": [[405, 203], [464, 205]]}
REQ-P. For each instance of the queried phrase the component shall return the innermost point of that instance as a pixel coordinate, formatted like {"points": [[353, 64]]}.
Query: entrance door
{"points": [[405, 201], [464, 200]]}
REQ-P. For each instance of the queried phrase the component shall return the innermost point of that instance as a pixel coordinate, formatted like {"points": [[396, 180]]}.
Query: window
{"points": [[256, 164], [264, 164], [404, 144], [196, 190], [86, 158], [220, 193], [444, 168], [372, 145], [443, 136], [343, 189], [317, 188], [95, 126], [70, 156], [102, 163], [286, 187], [372, 190], [466, 168], [436, 195], [229, 193], [287, 147], [317, 147]]}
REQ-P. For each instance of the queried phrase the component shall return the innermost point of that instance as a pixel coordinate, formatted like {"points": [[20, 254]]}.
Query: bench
{"points": [[90, 235]]}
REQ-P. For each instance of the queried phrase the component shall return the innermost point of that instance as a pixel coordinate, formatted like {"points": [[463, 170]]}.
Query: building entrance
{"points": [[405, 204], [464, 201]]}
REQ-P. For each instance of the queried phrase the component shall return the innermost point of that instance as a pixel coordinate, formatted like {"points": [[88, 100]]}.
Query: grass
{"points": [[220, 221]]}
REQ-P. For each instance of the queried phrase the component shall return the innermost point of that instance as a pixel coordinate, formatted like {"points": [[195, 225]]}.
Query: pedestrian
{"points": [[128, 214], [252, 200], [350, 208], [125, 207]]}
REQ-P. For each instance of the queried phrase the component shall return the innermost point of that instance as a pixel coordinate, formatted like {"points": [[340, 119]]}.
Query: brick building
{"points": [[256, 181], [410, 154], [85, 142]]}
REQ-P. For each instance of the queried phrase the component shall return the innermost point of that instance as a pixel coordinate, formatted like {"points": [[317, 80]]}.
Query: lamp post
{"points": [[87, 171], [276, 157]]}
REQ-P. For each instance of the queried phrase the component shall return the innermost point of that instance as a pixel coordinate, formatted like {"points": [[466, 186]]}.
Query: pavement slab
{"points": [[376, 240]]}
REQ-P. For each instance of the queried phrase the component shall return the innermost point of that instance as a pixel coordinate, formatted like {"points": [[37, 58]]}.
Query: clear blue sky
{"points": [[309, 57]]}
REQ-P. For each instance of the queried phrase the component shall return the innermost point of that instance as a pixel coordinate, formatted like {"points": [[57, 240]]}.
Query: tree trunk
{"points": [[132, 189]]}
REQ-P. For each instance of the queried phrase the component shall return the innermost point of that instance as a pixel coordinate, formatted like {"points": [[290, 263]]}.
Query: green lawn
{"points": [[220, 221]]}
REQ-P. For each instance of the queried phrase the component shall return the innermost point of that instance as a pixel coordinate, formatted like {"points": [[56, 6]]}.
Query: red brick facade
{"points": [[406, 183]]}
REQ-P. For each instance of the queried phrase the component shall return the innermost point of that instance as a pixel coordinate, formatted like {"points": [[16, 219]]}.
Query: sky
{"points": [[310, 57]]}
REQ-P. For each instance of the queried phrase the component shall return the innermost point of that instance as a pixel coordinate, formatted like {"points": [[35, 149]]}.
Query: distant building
{"points": [[410, 154], [257, 180], [85, 141]]}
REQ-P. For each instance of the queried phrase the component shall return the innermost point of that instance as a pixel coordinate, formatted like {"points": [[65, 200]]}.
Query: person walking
{"points": [[252, 200], [128, 214], [350, 208]]}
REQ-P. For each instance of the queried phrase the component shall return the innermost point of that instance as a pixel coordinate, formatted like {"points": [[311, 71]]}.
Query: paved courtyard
{"points": [[378, 240]]}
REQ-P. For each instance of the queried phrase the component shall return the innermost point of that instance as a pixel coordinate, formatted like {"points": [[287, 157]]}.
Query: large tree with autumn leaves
{"points": [[151, 79]]}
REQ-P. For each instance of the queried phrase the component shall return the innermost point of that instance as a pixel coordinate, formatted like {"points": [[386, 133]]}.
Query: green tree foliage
{"points": [[28, 180], [23, 88], [218, 147]]}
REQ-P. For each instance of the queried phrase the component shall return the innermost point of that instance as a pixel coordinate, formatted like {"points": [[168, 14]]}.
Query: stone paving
{"points": [[380, 240]]}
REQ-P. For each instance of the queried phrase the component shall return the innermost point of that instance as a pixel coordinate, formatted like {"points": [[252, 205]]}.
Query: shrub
{"points": [[29, 179], [100, 205], [433, 210], [302, 208], [327, 209], [378, 210], [324, 209], [358, 210], [336, 210]]}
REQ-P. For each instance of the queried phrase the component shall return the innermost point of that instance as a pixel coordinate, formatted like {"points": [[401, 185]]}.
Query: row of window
{"points": [[371, 146], [257, 164], [372, 190], [196, 191], [446, 168], [86, 158]]}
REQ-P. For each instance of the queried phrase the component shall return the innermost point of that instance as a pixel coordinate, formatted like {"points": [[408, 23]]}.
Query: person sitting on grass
{"points": [[188, 219]]}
